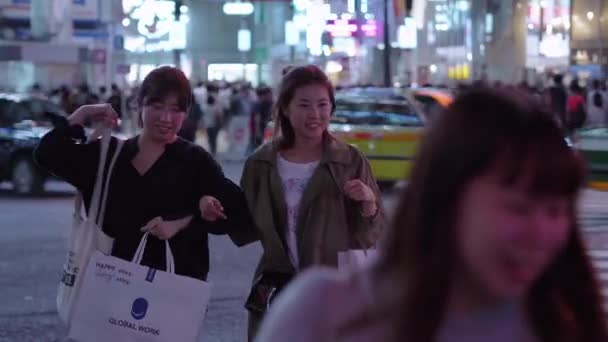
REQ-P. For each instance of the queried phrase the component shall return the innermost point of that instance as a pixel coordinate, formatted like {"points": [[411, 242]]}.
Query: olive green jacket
{"points": [[328, 222]]}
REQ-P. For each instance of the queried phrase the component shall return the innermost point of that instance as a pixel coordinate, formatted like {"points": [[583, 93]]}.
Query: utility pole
{"points": [[292, 48], [387, 47], [600, 22], [177, 15]]}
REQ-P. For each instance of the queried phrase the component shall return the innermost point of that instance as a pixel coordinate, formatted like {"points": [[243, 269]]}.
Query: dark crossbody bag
{"points": [[265, 289]]}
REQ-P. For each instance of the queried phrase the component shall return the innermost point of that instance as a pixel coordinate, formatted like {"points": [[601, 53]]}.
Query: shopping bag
{"points": [[126, 301], [86, 234], [356, 258]]}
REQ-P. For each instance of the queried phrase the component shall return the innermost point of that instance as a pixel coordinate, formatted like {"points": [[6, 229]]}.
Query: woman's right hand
{"points": [[101, 113], [211, 209]]}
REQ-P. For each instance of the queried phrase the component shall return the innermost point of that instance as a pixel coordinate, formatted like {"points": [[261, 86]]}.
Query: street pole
{"points": [[244, 51], [571, 30], [541, 23], [603, 63], [387, 48], [356, 61], [177, 15], [244, 60], [292, 48], [110, 55]]}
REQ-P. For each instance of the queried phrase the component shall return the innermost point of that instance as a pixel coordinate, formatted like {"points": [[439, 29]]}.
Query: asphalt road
{"points": [[33, 235]]}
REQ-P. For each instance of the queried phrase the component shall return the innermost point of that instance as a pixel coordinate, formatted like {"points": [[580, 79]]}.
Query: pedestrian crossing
{"points": [[595, 231], [599, 258], [591, 222]]}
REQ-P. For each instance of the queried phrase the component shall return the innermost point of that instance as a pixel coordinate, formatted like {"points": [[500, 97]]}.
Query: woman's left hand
{"points": [[359, 191], [165, 230]]}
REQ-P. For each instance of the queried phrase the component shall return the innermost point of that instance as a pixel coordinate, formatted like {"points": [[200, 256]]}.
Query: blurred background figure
{"points": [[115, 100], [192, 122], [576, 107], [557, 97], [261, 114], [214, 115], [36, 91], [597, 104]]}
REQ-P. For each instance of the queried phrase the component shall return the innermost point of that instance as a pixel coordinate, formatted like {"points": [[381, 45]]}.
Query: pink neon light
{"points": [[347, 28]]}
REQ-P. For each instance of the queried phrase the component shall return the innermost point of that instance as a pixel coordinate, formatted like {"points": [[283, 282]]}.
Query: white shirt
{"points": [[321, 302], [212, 114], [295, 177]]}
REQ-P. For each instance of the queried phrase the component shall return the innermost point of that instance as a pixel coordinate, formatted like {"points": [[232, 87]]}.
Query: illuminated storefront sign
{"points": [[156, 25], [349, 28], [548, 31]]}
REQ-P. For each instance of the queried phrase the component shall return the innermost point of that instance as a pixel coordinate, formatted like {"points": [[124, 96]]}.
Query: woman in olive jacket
{"points": [[311, 196]]}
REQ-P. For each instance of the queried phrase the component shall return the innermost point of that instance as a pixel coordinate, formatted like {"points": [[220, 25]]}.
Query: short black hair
{"points": [[162, 82], [558, 78]]}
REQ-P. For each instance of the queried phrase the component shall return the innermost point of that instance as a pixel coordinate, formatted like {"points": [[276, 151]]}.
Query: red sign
{"points": [[99, 56]]}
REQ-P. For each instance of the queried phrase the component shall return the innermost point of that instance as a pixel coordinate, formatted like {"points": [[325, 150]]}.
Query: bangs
{"points": [[163, 82], [161, 95], [546, 167]]}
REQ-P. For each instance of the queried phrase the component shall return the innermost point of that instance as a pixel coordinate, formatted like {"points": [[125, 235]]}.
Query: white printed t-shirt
{"points": [[295, 177]]}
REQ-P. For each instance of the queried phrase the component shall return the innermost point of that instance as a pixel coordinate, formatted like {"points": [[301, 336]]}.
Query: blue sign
{"points": [[27, 2], [139, 308], [119, 42]]}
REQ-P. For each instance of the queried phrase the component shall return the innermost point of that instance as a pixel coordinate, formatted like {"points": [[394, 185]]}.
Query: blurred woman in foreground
{"points": [[485, 244]]}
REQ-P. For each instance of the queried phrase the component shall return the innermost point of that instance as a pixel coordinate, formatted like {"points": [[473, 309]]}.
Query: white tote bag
{"points": [[125, 301], [86, 235]]}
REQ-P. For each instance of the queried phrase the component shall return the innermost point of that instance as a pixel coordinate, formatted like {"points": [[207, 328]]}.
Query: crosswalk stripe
{"points": [[599, 259], [599, 254]]}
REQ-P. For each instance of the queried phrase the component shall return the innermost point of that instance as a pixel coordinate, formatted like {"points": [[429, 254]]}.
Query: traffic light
{"points": [[409, 4], [178, 9]]}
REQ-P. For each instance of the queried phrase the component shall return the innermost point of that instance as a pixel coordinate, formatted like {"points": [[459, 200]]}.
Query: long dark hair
{"points": [[482, 129], [297, 77]]}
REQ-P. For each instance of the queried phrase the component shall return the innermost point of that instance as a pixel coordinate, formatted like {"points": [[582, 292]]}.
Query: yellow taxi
{"points": [[433, 97], [386, 129]]}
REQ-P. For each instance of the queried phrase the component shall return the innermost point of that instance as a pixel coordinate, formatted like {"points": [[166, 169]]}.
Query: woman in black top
{"points": [[161, 183]]}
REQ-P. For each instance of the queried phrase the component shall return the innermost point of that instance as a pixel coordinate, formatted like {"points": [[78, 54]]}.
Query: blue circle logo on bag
{"points": [[139, 309]]}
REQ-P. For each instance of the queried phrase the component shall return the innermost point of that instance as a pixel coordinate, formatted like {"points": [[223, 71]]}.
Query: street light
{"points": [[244, 46], [238, 8], [590, 15], [292, 38]]}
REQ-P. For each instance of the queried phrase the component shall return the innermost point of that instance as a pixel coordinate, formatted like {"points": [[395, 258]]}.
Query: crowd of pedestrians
{"points": [[485, 244]]}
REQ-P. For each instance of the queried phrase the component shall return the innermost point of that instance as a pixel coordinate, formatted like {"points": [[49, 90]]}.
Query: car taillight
{"points": [[362, 136]]}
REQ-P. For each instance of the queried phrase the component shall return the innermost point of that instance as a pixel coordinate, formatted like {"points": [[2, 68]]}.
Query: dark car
{"points": [[24, 119]]}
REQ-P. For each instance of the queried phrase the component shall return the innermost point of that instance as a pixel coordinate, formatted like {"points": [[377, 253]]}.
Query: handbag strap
{"points": [[98, 203], [102, 207], [78, 203], [139, 253], [103, 155]]}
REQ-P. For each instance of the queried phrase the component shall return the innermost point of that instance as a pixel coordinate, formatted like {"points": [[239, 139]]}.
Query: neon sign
{"points": [[350, 27]]}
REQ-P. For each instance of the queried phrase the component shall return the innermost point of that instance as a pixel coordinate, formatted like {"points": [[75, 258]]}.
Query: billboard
{"points": [[84, 10]]}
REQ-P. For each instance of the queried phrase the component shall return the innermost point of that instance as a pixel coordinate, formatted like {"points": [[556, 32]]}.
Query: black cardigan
{"points": [[171, 189]]}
